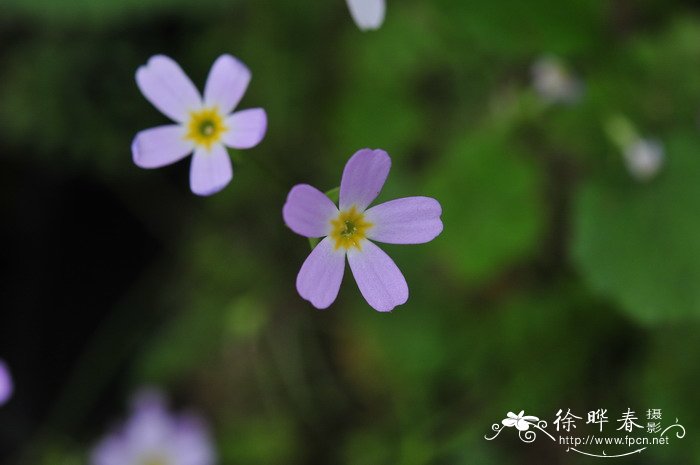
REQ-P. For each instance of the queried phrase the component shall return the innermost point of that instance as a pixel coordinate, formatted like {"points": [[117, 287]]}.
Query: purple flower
{"points": [[153, 436], [205, 126], [347, 232], [6, 385], [368, 14]]}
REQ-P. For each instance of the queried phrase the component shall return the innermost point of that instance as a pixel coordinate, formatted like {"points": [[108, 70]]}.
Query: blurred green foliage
{"points": [[559, 281], [489, 189]]}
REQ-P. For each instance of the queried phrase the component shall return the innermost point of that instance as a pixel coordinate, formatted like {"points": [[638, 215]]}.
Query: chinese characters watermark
{"points": [[628, 435]]}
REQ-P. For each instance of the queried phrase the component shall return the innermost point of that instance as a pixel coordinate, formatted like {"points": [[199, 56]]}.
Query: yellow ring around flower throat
{"points": [[349, 229], [205, 127]]}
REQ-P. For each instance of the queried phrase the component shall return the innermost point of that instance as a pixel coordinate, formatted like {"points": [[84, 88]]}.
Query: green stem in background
{"points": [[263, 165], [621, 131], [334, 195]]}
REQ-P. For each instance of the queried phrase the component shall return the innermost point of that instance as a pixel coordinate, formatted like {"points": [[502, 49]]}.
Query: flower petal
{"points": [[6, 385], [191, 443], [246, 128], [320, 275], [113, 450], [226, 84], [411, 220], [160, 146], [379, 279], [168, 88], [308, 211], [210, 171], [150, 423], [363, 178], [509, 422], [368, 14]]}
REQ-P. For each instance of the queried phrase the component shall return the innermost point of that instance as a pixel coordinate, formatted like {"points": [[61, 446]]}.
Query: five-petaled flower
{"points": [[347, 231], [153, 436], [520, 421], [368, 14], [206, 126], [6, 385]]}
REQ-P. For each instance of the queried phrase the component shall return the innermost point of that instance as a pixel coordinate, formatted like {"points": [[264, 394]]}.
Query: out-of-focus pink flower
{"points": [[6, 385], [154, 436]]}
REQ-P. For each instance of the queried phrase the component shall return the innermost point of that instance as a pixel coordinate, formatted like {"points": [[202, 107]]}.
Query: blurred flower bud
{"points": [[553, 81], [644, 158]]}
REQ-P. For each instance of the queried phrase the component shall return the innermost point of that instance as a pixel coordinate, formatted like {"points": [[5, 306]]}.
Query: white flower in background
{"points": [[521, 421], [154, 436], [368, 14], [644, 158], [553, 81]]}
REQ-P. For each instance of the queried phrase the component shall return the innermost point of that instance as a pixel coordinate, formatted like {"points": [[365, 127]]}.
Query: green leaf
{"points": [[639, 243], [519, 29], [489, 191], [334, 195], [380, 105]]}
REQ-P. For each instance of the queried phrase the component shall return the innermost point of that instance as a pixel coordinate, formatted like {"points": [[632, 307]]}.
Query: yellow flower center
{"points": [[349, 229], [205, 127]]}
